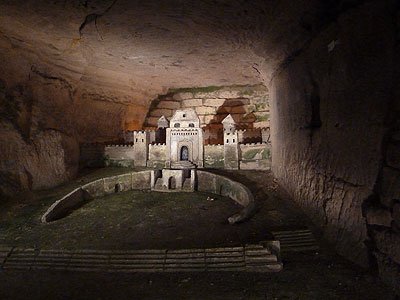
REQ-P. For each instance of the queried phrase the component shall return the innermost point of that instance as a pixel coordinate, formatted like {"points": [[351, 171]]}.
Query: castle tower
{"points": [[141, 147], [163, 124], [185, 142], [231, 143]]}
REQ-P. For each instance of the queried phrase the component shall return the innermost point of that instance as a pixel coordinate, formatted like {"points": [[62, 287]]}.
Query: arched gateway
{"points": [[184, 153]]}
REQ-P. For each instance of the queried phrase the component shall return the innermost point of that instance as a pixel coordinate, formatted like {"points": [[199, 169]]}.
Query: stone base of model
{"points": [[174, 180]]}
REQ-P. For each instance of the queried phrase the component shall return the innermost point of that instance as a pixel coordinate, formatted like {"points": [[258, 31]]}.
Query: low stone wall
{"points": [[255, 156], [206, 182], [220, 185], [214, 156], [97, 188]]}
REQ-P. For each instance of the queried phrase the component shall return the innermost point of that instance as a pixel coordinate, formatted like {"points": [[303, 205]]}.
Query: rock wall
{"points": [[247, 104], [42, 124], [42, 161], [91, 155], [332, 107]]}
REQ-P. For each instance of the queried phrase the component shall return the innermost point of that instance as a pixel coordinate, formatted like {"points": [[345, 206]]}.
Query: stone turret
{"points": [[141, 141], [231, 144], [162, 122], [162, 125]]}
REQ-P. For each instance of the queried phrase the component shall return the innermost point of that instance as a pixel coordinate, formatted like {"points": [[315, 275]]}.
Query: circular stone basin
{"points": [[201, 181], [147, 220]]}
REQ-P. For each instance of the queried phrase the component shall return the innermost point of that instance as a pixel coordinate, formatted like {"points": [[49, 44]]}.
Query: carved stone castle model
{"points": [[179, 144]]}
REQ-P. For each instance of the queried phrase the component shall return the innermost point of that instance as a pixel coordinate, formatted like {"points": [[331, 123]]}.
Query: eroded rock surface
{"points": [[330, 67], [336, 153]]}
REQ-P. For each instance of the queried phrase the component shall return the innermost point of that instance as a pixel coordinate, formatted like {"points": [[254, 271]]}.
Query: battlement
{"points": [[120, 146], [186, 129], [252, 129], [253, 144], [143, 131], [214, 145], [157, 144]]}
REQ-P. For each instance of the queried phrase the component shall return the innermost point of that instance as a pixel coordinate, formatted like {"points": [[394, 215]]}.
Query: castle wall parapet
{"points": [[119, 155], [252, 144]]}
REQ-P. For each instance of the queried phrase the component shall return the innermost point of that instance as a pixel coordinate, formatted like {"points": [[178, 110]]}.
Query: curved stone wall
{"points": [[207, 182], [94, 189], [220, 185]]}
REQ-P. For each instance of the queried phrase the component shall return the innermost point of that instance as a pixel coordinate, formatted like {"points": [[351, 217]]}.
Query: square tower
{"points": [[231, 144], [141, 140]]}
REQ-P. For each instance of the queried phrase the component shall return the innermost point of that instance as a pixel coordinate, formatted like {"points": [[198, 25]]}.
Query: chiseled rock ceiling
{"points": [[140, 49]]}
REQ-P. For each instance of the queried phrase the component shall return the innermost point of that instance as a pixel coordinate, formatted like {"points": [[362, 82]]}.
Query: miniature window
{"points": [[136, 140], [142, 140], [227, 141], [177, 125], [233, 140], [184, 115], [191, 125], [228, 133]]}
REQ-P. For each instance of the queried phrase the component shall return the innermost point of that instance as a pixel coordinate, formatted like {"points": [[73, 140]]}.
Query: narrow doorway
{"points": [[184, 153]]}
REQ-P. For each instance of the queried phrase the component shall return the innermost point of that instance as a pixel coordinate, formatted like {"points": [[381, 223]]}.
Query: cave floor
{"points": [[143, 220], [146, 220]]}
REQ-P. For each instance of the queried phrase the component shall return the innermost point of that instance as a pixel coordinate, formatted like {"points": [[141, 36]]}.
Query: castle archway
{"points": [[171, 183], [184, 153]]}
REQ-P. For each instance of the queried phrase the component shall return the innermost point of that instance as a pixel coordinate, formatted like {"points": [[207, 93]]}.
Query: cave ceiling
{"points": [[131, 51]]}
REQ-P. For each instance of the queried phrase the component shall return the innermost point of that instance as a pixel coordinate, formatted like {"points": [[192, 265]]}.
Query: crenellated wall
{"points": [[255, 156], [119, 155], [157, 155]]}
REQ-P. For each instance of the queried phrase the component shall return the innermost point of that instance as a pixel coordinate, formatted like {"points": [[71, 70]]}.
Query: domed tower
{"points": [[231, 144], [162, 125]]}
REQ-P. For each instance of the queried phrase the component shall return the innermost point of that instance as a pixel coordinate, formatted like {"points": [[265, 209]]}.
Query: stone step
{"points": [[249, 258], [261, 259], [296, 240], [183, 165], [258, 252]]}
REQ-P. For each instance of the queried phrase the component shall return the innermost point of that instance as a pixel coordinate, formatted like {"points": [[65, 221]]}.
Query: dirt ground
{"points": [[143, 220]]}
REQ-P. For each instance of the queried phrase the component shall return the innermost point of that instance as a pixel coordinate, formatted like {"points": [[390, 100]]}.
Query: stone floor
{"points": [[142, 220]]}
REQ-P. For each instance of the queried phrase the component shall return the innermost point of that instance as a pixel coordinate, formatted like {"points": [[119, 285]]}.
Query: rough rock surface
{"points": [[45, 160], [90, 69], [83, 71], [331, 126], [248, 105]]}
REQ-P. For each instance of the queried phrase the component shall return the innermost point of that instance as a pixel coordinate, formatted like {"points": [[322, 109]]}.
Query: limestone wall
{"points": [[214, 156], [247, 104], [91, 155], [332, 129]]}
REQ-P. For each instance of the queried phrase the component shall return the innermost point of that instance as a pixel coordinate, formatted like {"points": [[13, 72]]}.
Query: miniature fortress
{"points": [[179, 144]]}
